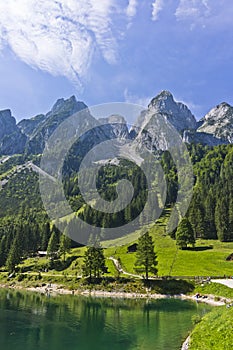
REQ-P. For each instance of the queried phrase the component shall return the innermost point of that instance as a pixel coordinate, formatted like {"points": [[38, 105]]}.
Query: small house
{"points": [[132, 248]]}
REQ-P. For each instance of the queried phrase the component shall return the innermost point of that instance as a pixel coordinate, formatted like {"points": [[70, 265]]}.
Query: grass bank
{"points": [[215, 331]]}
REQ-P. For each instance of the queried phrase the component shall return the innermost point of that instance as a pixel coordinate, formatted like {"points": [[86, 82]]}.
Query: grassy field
{"points": [[216, 289], [207, 259]]}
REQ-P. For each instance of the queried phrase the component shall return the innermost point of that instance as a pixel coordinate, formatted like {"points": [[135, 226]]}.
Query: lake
{"points": [[31, 321]]}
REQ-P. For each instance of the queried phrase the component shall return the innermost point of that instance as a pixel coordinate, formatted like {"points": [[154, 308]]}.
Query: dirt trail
{"points": [[119, 268]]}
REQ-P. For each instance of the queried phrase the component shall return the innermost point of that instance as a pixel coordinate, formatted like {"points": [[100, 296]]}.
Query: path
{"points": [[119, 268], [226, 282]]}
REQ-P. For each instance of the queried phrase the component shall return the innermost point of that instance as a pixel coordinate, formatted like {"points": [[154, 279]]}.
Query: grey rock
{"points": [[116, 126], [28, 126], [176, 113], [164, 118], [60, 111], [7, 123], [219, 122], [12, 140], [202, 138]]}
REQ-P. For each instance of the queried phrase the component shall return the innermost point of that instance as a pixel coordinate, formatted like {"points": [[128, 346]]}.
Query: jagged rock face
{"points": [[7, 123], [176, 113], [153, 128], [60, 111], [11, 138], [116, 126], [219, 122], [202, 138], [157, 134], [28, 126], [13, 143], [31, 135]]}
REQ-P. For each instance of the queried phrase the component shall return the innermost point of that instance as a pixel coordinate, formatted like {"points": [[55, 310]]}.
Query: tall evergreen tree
{"points": [[3, 252], [15, 253], [146, 257], [45, 236], [65, 244], [222, 219], [53, 245], [184, 234], [94, 262]]}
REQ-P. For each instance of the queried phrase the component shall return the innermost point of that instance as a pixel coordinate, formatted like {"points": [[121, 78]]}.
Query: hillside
{"points": [[23, 217]]}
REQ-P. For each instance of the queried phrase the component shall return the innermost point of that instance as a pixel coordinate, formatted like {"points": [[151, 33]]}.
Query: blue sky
{"points": [[115, 50]]}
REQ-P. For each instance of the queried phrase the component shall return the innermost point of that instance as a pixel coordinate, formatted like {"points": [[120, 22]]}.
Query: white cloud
{"points": [[131, 9], [192, 10], [138, 100], [157, 7], [61, 36]]}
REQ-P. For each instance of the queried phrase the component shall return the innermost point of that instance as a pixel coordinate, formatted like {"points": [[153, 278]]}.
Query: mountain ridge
{"points": [[30, 135]]}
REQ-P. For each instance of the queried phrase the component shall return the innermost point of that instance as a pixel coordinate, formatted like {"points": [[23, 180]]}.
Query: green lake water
{"points": [[31, 321]]}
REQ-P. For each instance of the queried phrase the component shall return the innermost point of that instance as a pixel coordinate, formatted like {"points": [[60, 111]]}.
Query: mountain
{"points": [[214, 129], [30, 136], [174, 112], [12, 140], [193, 136], [28, 126], [46, 126], [219, 122], [117, 126], [153, 127]]}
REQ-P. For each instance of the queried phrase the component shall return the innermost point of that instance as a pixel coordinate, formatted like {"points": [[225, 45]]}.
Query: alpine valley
{"points": [[23, 219]]}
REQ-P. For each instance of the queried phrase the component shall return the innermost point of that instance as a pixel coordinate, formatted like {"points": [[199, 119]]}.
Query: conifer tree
{"points": [[184, 234], [3, 252], [45, 236], [94, 262], [53, 245], [65, 244], [146, 257], [15, 253]]}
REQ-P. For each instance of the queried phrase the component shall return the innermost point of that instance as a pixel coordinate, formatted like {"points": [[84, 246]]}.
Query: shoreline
{"points": [[185, 345], [54, 290]]}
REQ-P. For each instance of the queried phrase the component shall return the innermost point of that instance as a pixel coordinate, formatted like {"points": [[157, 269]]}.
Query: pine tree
{"points": [[45, 236], [146, 257], [184, 234], [65, 244], [222, 219], [15, 253], [53, 245], [3, 253], [94, 262]]}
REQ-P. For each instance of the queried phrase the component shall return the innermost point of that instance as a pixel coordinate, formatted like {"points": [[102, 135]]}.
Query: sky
{"points": [[115, 51]]}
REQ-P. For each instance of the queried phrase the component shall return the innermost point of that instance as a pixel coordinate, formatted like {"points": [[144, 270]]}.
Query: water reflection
{"points": [[32, 321]]}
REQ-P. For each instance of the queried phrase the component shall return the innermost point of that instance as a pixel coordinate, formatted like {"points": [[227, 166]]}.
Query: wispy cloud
{"points": [[192, 10], [59, 37], [138, 100], [131, 9], [157, 7]]}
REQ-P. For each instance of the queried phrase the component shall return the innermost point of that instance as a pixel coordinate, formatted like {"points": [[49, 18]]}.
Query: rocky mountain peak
{"points": [[11, 139], [219, 122], [70, 105], [7, 123], [177, 113], [162, 101], [116, 125]]}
